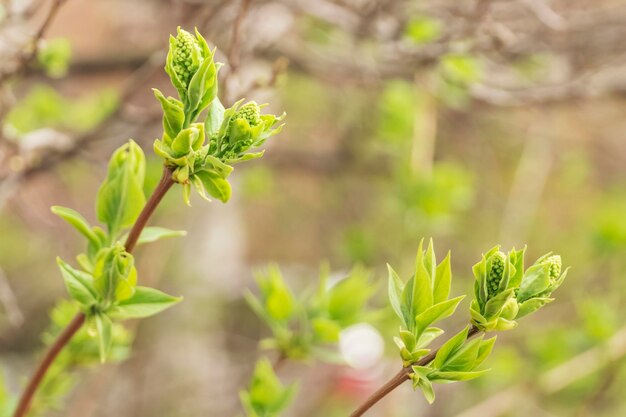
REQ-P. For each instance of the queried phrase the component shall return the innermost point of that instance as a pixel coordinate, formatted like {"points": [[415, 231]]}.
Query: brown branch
{"points": [[55, 349], [399, 378], [159, 192], [157, 195]]}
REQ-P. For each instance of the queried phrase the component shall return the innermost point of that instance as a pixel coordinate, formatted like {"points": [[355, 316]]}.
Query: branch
{"points": [[26, 57], [399, 378], [75, 325]]}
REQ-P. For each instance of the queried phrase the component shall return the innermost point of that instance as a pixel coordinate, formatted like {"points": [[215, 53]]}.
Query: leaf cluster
{"points": [[105, 285], [266, 396], [306, 327]]}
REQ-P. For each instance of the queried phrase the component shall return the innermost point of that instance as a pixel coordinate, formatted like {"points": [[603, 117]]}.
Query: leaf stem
{"points": [[399, 378], [77, 322]]}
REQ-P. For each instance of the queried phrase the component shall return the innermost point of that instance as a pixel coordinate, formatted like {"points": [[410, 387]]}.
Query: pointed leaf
{"points": [[104, 327], [215, 185], [78, 221], [395, 290], [79, 285], [437, 312], [443, 278], [145, 302], [450, 347]]}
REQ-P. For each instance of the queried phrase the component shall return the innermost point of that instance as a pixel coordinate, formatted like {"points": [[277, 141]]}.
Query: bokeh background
{"points": [[476, 122]]}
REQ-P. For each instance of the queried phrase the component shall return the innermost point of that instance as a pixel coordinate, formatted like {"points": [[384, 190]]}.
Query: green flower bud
{"points": [[496, 271], [115, 275], [187, 56], [250, 112], [541, 279], [555, 267]]}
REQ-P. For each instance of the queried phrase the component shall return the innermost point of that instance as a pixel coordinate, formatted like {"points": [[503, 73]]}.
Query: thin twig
{"points": [[157, 195], [26, 57], [398, 379]]}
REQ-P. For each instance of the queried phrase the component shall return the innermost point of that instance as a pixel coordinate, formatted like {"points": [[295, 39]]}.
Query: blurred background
{"points": [[475, 122]]}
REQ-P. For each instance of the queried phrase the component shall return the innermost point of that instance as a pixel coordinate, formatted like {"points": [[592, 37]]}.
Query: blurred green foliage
{"points": [[44, 107]]}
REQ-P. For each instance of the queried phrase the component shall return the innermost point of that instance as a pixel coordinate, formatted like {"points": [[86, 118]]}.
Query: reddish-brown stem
{"points": [[66, 335], [159, 192], [399, 378], [51, 355]]}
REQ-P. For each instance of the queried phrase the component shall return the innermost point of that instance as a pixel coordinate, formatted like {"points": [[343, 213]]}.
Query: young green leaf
{"points": [[152, 234], [78, 221], [450, 347], [104, 327], [145, 302], [173, 114], [215, 185], [437, 312], [454, 376], [395, 288], [79, 285], [443, 279]]}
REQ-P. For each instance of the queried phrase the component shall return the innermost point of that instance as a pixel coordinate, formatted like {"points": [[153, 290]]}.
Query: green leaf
{"points": [[422, 289], [145, 302], [326, 331], [395, 287], [152, 234], [279, 303], [214, 117], [430, 260], [347, 298], [536, 280], [516, 257], [182, 144], [215, 185], [173, 114], [464, 358], [423, 30], [202, 88], [428, 336], [408, 339], [494, 306], [461, 69], [78, 221], [452, 376], [437, 312], [443, 278], [427, 389], [104, 327], [486, 346], [532, 305], [79, 285], [450, 347]]}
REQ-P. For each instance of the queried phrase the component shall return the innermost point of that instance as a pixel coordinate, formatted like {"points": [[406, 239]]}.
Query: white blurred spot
{"points": [[361, 346]]}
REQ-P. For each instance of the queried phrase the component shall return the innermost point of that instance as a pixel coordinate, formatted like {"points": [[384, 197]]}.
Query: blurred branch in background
{"points": [[14, 315]]}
